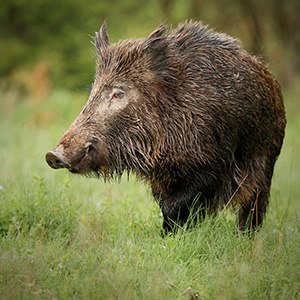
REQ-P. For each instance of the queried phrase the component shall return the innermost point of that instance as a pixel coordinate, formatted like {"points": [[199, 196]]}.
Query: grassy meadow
{"points": [[69, 237]]}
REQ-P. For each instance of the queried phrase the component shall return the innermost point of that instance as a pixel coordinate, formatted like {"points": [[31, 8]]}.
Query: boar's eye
{"points": [[118, 95]]}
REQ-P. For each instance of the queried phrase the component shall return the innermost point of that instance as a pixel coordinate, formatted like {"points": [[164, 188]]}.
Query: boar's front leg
{"points": [[185, 206]]}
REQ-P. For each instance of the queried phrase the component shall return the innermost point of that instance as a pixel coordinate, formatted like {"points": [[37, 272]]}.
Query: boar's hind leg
{"points": [[251, 216], [252, 211]]}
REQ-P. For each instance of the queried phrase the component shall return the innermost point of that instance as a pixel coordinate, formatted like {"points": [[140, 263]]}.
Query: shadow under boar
{"points": [[187, 110]]}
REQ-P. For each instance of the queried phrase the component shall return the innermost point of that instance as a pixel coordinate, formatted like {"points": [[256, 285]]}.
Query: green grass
{"points": [[69, 237]]}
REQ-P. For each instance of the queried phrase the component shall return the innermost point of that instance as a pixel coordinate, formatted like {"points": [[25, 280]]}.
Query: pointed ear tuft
{"points": [[101, 40], [157, 40], [157, 33], [157, 49]]}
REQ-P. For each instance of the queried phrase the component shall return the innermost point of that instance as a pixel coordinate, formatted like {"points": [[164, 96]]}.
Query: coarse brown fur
{"points": [[189, 111]]}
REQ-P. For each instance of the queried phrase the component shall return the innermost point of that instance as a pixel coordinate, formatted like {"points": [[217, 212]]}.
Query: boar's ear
{"points": [[156, 46], [157, 33], [156, 43], [155, 37], [101, 40]]}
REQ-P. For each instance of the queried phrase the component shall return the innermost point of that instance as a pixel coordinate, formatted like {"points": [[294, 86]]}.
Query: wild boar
{"points": [[187, 110]]}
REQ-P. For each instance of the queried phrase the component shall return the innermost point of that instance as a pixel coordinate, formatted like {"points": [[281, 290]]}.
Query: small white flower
{"points": [[60, 266]]}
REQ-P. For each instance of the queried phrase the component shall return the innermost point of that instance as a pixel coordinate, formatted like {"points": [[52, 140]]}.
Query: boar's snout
{"points": [[79, 160], [55, 160]]}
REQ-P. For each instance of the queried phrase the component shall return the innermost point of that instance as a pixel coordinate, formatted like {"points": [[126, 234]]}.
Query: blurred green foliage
{"points": [[56, 34]]}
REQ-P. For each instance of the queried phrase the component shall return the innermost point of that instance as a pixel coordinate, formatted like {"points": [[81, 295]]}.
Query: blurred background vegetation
{"points": [[45, 44]]}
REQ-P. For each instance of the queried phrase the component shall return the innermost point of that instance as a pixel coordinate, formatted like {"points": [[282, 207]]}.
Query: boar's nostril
{"points": [[54, 160]]}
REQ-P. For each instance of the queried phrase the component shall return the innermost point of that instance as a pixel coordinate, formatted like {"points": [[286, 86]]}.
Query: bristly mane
{"points": [[157, 53]]}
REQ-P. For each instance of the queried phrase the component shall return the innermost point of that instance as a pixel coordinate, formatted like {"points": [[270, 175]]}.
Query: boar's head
{"points": [[121, 126]]}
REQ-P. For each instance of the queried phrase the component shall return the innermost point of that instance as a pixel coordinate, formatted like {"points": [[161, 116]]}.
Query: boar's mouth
{"points": [[81, 162]]}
